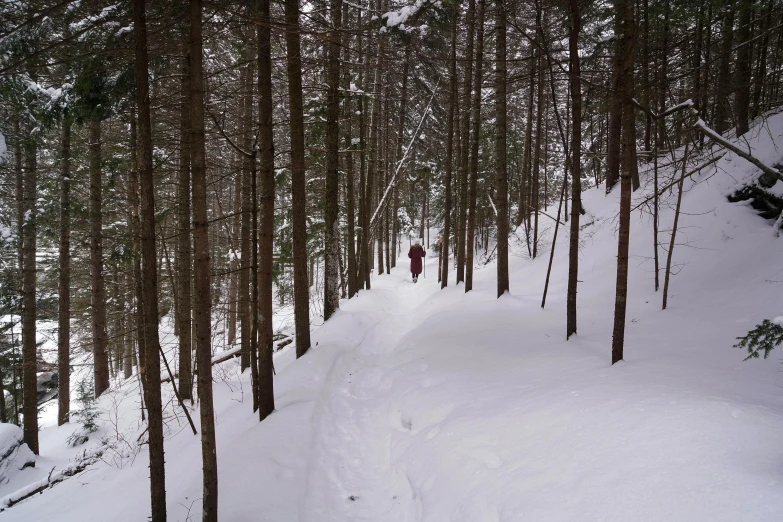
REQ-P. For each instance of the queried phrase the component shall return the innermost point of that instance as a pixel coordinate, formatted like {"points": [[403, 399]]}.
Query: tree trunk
{"points": [[349, 183], [663, 76], [203, 306], [625, 16], [615, 108], [298, 189], [184, 262], [722, 103], [761, 68], [29, 351], [361, 269], [246, 204], [444, 280], [387, 178], [254, 285], [20, 204], [474, 148], [527, 163], [501, 172], [234, 247], [465, 133], [576, 164], [372, 163], [362, 241], [705, 92], [129, 326], [64, 297], [540, 141], [98, 290], [743, 68], [266, 394], [135, 227], [381, 174], [151, 370], [646, 93], [331, 209], [674, 230]]}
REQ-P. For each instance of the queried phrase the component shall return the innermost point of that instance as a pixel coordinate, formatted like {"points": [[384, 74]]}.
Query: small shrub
{"points": [[87, 414]]}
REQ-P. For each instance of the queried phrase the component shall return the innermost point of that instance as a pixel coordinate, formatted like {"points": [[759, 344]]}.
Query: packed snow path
{"points": [[353, 472], [455, 407]]}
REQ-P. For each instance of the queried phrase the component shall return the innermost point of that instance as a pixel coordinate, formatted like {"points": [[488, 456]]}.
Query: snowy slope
{"points": [[426, 405]]}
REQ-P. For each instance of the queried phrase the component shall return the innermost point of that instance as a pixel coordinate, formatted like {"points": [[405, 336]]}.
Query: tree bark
{"points": [[246, 204], [615, 107], [722, 102], [331, 209], [743, 67], [266, 395], [380, 171], [129, 327], [674, 230], [464, 164], [29, 246], [349, 184], [64, 297], [372, 162], [135, 227], [149, 281], [298, 188], [444, 279], [184, 261], [501, 168], [761, 68], [474, 148], [98, 289], [576, 165], [361, 270], [527, 162], [540, 137], [235, 247], [625, 16], [203, 306]]}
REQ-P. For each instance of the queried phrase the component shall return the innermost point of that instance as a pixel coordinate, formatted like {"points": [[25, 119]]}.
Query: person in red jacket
{"points": [[416, 254]]}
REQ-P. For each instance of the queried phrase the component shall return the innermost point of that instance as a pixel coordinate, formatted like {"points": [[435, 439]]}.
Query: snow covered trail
{"points": [[352, 473]]}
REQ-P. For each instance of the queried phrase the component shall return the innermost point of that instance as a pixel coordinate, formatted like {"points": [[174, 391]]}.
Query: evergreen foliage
{"points": [[87, 413], [764, 337]]}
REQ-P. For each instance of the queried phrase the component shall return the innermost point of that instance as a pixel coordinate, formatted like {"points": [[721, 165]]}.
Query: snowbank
{"points": [[14, 453]]}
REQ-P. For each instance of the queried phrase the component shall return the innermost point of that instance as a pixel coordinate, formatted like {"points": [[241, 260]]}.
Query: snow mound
{"points": [[14, 453]]}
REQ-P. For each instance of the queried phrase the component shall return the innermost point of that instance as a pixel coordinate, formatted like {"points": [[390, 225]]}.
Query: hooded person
{"points": [[416, 255]]}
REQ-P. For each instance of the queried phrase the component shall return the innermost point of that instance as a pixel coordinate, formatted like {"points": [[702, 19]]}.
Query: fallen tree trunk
{"points": [[281, 340]]}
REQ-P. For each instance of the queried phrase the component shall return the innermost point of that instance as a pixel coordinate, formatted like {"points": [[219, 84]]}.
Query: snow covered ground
{"points": [[417, 404]]}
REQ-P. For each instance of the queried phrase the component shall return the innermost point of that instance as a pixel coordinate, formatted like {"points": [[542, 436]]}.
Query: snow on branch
{"points": [[398, 18], [717, 138], [382, 203], [671, 110], [492, 203]]}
